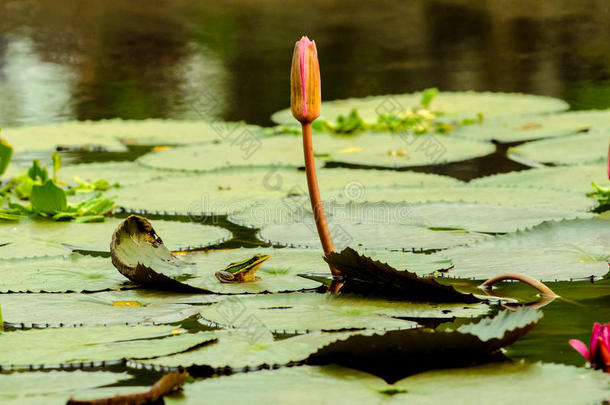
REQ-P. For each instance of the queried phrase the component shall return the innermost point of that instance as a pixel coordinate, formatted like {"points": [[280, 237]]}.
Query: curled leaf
{"points": [[139, 254], [364, 275]]}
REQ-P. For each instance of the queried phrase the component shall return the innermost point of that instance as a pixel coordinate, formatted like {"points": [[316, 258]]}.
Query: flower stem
{"points": [[532, 282], [314, 196]]}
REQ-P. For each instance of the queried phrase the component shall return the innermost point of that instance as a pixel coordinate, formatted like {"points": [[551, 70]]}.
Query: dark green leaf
{"points": [[363, 275]]}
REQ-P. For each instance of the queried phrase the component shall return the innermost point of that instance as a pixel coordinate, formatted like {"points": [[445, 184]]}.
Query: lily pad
{"points": [[104, 309], [51, 137], [517, 197], [418, 350], [239, 348], [231, 190], [396, 151], [456, 104], [279, 273], [572, 178], [539, 383], [363, 275], [53, 387], [122, 173], [302, 313], [551, 251], [370, 236], [436, 215], [76, 345], [59, 274], [158, 131], [567, 150], [512, 129], [31, 238], [287, 151]]}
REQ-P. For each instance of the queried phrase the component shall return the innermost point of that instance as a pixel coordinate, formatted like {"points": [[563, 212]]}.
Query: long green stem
{"points": [[538, 285]]}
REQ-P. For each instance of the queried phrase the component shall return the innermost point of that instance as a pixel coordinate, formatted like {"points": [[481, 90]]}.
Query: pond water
{"points": [[62, 61]]}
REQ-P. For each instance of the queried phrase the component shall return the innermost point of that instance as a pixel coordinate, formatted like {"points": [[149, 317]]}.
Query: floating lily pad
{"points": [[394, 151], [512, 129], [57, 136], [279, 273], [498, 383], [458, 104], [572, 178], [314, 312], [518, 197], [75, 345], [232, 190], [369, 236], [158, 131], [59, 274], [239, 348], [114, 308], [287, 151], [123, 173], [54, 387], [417, 350], [436, 215], [363, 275], [30, 238], [567, 150], [551, 251]]}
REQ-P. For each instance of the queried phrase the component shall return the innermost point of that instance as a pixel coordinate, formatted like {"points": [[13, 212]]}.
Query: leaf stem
{"points": [[532, 282]]}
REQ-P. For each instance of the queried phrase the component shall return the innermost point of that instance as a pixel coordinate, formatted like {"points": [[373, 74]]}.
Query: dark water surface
{"points": [[65, 60]]}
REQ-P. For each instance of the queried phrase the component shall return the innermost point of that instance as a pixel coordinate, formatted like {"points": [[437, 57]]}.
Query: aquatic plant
{"points": [[305, 100], [598, 352]]}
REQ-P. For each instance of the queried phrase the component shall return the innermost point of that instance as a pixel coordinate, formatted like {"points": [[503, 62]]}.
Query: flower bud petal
{"points": [[305, 88]]}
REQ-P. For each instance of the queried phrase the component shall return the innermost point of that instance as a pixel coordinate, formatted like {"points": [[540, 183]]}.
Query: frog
{"points": [[242, 271]]}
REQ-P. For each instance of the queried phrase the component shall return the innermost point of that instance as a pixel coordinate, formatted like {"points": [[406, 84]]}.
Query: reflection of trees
{"points": [[130, 58]]}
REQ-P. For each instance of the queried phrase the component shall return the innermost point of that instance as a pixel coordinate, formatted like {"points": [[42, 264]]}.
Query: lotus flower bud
{"points": [[305, 88], [598, 351]]}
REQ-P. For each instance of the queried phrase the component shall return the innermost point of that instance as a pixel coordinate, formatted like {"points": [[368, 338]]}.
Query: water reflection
{"points": [[90, 60]]}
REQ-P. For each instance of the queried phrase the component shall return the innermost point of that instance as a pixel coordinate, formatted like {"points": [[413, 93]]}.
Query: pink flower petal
{"points": [[597, 331], [303, 43], [581, 348]]}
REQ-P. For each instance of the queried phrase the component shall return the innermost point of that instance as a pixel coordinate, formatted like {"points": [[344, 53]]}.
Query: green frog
{"points": [[243, 271]]}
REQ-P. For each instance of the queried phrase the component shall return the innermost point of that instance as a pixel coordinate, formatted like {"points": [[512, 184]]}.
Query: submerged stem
{"points": [[537, 284]]}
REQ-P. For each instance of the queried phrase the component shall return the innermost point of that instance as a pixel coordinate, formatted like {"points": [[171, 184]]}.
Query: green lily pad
{"points": [[238, 348], [104, 309], [517, 197], [458, 104], [449, 345], [551, 251], [297, 312], [123, 173], [231, 190], [396, 151], [53, 387], [279, 273], [76, 345], [30, 238], [59, 274], [369, 236], [287, 151], [572, 178], [53, 136], [512, 129], [435, 215], [539, 383], [567, 150], [157, 131]]}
